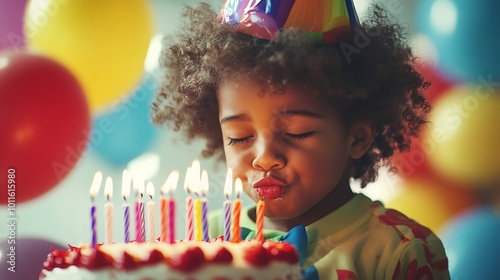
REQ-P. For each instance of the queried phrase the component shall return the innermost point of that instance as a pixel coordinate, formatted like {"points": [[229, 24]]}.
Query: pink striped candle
{"points": [[204, 205], [169, 220], [138, 236], [227, 205], [94, 189], [108, 209]]}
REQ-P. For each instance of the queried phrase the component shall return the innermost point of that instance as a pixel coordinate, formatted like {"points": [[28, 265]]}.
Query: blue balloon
{"points": [[471, 244], [465, 34], [126, 131]]}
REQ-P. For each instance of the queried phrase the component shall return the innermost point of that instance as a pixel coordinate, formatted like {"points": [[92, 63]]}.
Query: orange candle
{"points": [[236, 232], [260, 221]]}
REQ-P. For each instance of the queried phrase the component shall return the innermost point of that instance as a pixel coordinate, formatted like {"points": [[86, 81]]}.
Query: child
{"points": [[297, 109]]}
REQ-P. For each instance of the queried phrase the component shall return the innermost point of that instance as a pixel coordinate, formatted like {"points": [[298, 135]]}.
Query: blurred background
{"points": [[77, 79]]}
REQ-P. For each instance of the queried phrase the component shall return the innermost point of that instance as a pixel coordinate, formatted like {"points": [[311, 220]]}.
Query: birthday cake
{"points": [[216, 259]]}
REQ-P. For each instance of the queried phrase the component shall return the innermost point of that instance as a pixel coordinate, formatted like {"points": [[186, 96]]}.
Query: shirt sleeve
{"points": [[417, 262]]}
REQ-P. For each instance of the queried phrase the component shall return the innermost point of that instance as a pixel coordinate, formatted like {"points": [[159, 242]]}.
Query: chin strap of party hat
{"points": [[326, 20]]}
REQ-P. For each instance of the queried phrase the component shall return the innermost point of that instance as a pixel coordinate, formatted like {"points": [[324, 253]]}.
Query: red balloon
{"points": [[44, 124]]}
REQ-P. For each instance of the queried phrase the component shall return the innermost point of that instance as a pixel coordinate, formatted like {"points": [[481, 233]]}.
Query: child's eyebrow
{"points": [[239, 117], [281, 114], [302, 113]]}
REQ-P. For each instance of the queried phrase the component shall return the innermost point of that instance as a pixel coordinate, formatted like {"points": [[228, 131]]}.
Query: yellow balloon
{"points": [[103, 42], [464, 138]]}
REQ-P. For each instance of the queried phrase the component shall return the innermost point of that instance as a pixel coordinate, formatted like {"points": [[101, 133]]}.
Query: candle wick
{"points": [[107, 197], [142, 195], [124, 199], [151, 197]]}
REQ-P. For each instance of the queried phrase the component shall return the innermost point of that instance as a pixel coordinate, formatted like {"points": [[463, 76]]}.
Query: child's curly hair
{"points": [[370, 76]]}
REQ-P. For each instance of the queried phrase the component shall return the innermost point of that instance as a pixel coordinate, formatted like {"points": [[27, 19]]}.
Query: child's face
{"points": [[293, 138]]}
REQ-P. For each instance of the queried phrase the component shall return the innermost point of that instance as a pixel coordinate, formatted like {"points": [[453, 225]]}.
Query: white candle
{"points": [[108, 209], [150, 190]]}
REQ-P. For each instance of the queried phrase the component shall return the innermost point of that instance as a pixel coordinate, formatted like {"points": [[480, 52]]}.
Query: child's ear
{"points": [[361, 138]]}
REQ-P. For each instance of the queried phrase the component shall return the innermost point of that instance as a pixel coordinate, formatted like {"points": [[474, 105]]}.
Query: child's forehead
{"points": [[280, 98]]}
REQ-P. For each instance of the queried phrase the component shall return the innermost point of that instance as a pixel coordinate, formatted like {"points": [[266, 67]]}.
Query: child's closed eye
{"points": [[298, 137], [234, 141], [288, 136]]}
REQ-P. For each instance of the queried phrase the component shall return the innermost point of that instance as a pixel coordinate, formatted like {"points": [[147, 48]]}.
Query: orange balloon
{"points": [[432, 202]]}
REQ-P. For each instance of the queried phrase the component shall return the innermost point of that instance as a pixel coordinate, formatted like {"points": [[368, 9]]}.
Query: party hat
{"points": [[326, 20]]}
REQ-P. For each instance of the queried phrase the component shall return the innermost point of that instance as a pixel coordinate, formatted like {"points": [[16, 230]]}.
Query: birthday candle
{"points": [[236, 232], [171, 208], [163, 213], [94, 189], [141, 212], [126, 208], [137, 211], [189, 207], [195, 184], [227, 204], [108, 209], [150, 190], [168, 221], [260, 220], [204, 205]]}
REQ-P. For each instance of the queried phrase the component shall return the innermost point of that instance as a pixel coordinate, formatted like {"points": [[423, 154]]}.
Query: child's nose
{"points": [[268, 155]]}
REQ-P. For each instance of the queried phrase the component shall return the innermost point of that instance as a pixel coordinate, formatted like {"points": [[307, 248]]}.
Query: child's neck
{"points": [[335, 199]]}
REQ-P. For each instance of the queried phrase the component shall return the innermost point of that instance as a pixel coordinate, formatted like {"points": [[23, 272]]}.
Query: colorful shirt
{"points": [[363, 240]]}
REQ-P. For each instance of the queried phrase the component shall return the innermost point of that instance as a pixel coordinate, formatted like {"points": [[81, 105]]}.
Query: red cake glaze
{"points": [[126, 262], [97, 259], [222, 256], [258, 256], [188, 261]]}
